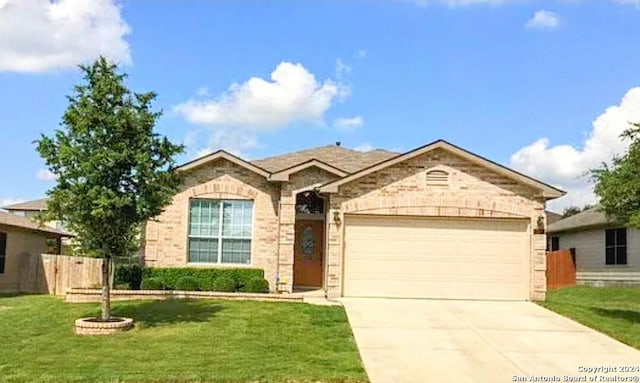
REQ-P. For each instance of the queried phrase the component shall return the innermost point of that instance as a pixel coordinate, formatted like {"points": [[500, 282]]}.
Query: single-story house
{"points": [[605, 253], [21, 237], [437, 221]]}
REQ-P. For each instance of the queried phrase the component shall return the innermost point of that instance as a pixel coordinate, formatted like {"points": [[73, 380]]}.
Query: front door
{"points": [[308, 253]]}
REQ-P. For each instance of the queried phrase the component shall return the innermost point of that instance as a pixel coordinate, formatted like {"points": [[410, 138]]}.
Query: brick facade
{"points": [[473, 190]]}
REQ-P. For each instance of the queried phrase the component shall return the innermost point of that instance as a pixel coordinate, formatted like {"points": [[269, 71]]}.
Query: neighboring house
{"points": [[437, 221], [31, 209], [605, 254], [21, 237]]}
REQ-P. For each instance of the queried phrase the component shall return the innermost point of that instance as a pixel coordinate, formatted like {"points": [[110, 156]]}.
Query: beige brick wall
{"points": [[472, 191], [166, 236], [302, 180]]}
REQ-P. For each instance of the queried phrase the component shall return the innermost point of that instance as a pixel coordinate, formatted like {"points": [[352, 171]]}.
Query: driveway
{"points": [[411, 340]]}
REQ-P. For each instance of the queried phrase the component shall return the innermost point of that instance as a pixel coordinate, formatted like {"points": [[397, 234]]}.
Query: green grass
{"points": [[613, 311], [178, 341]]}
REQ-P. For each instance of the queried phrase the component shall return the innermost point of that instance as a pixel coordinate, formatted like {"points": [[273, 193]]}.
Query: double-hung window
{"points": [[3, 251], [220, 231], [616, 246]]}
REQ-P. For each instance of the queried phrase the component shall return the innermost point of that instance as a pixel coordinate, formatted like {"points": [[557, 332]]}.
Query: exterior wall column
{"points": [[286, 234], [334, 249]]}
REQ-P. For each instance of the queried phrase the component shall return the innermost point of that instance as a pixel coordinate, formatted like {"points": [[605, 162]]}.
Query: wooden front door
{"points": [[308, 253]]}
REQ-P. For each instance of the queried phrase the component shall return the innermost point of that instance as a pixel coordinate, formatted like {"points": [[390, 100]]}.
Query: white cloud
{"points": [[46, 175], [41, 35], [237, 116], [348, 123], [361, 54], [567, 166], [342, 69], [543, 20], [364, 147]]}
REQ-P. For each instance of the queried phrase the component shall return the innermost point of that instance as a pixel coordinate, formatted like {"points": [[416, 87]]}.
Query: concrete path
{"points": [[409, 340]]}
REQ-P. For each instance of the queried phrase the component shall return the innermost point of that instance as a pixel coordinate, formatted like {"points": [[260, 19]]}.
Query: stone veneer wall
{"points": [[472, 191], [166, 236]]}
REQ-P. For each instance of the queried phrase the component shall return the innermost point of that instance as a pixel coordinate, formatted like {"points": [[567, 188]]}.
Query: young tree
{"points": [[618, 186], [113, 172]]}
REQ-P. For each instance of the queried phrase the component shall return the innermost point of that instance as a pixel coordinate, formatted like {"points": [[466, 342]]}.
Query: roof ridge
{"points": [[301, 151]]}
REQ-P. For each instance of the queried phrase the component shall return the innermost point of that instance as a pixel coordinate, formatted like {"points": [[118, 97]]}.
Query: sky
{"points": [[544, 87]]}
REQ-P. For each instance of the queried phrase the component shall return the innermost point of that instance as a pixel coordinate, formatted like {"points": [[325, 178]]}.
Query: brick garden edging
{"points": [[88, 326], [77, 295]]}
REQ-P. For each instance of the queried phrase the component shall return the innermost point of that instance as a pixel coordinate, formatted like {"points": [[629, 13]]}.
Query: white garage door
{"points": [[410, 257]]}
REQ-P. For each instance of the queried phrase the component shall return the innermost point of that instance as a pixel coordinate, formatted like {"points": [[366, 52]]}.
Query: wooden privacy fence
{"points": [[561, 269], [54, 274]]}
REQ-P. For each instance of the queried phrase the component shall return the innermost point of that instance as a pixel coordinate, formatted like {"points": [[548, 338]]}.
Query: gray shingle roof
{"points": [[340, 157], [9, 219], [589, 218], [35, 205]]}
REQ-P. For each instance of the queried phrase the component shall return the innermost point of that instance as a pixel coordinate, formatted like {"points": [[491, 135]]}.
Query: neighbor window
{"points": [[220, 231], [616, 246], [3, 251]]}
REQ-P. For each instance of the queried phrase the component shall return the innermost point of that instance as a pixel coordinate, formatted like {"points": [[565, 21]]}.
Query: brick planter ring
{"points": [[92, 326]]}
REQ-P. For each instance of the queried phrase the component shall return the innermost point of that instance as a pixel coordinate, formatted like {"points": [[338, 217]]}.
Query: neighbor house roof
{"points": [[9, 219], [552, 217], [339, 157], [589, 218], [35, 205], [548, 191]]}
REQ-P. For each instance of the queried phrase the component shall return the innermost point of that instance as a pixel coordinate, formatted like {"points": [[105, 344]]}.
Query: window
{"points": [[220, 231], [616, 246], [555, 243], [3, 251]]}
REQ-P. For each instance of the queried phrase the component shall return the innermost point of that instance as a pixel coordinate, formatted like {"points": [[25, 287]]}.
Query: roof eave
{"points": [[285, 174], [224, 155]]}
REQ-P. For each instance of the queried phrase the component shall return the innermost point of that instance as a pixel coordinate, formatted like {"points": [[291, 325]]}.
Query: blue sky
{"points": [[543, 86]]}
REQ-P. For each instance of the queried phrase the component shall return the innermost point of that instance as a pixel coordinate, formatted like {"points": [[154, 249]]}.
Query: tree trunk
{"points": [[106, 301]]}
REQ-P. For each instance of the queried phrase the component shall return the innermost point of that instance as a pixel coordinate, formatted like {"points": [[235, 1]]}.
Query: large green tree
{"points": [[618, 185], [113, 172]]}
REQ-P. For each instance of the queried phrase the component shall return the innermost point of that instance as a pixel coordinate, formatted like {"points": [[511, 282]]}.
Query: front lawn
{"points": [[178, 341], [613, 311]]}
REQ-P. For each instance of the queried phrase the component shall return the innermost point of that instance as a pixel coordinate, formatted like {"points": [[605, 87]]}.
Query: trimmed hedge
{"points": [[187, 284], [224, 284], [152, 284], [256, 285], [129, 274], [205, 277]]}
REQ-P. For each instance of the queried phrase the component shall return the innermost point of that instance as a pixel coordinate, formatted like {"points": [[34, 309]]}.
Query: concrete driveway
{"points": [[410, 340]]}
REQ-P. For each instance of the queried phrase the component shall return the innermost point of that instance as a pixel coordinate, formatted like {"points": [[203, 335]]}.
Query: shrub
{"points": [[256, 285], [225, 284], [204, 276], [152, 284], [187, 284], [130, 274]]}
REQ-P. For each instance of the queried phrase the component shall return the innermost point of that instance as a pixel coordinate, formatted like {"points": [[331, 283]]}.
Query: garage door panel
{"points": [[439, 258]]}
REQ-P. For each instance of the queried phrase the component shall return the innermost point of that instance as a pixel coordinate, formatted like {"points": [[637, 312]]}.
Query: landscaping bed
{"points": [[614, 311], [77, 295], [178, 340]]}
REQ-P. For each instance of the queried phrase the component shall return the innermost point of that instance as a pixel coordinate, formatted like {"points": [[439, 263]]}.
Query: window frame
{"points": [[620, 253], [554, 243], [220, 237], [3, 251]]}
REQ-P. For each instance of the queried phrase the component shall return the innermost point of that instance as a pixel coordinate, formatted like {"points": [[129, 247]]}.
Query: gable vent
{"points": [[437, 178]]}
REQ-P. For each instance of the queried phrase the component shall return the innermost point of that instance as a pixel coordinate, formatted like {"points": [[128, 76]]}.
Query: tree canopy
{"points": [[618, 185]]}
